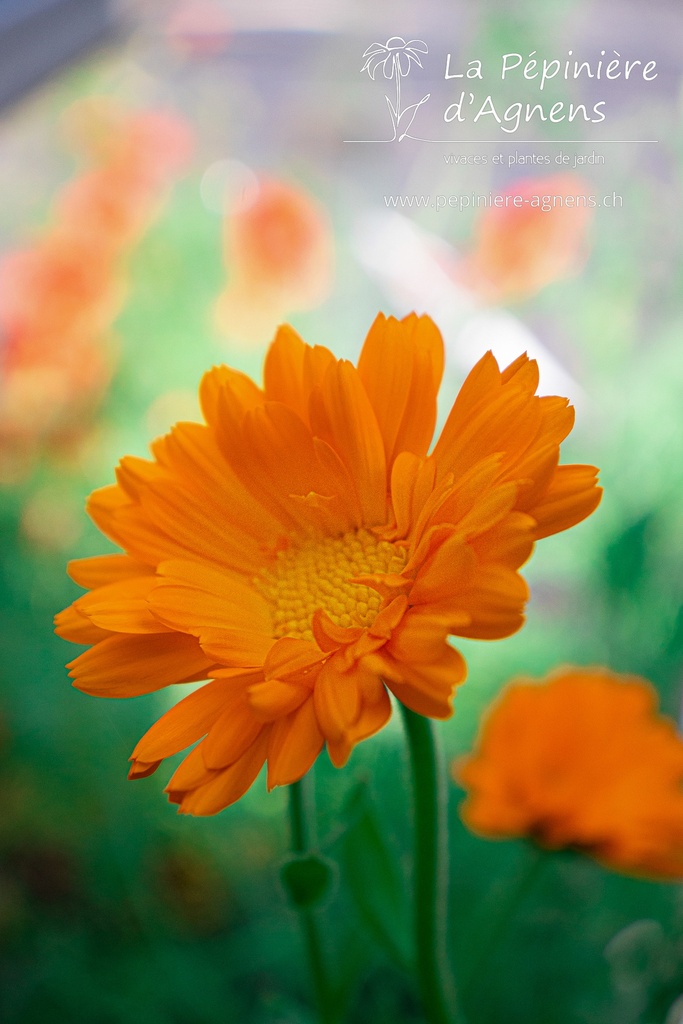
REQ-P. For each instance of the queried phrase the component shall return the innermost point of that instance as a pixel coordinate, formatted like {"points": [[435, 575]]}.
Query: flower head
{"points": [[394, 57], [59, 298], [583, 760], [146, 147], [303, 551], [519, 249], [279, 253]]}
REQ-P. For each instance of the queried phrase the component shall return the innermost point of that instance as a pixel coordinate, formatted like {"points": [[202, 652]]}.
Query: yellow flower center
{"points": [[317, 574]]}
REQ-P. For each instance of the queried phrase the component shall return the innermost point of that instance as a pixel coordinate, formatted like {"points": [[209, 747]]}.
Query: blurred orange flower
{"points": [[152, 145], [303, 551], [518, 250], [135, 157], [56, 360], [63, 287], [59, 298], [581, 759], [278, 252]]}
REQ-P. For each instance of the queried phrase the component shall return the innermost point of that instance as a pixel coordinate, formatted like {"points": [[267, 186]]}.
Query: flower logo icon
{"points": [[395, 57]]}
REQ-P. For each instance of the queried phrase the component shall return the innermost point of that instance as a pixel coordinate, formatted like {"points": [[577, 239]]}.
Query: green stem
{"points": [[300, 815], [300, 818], [527, 879], [430, 871]]}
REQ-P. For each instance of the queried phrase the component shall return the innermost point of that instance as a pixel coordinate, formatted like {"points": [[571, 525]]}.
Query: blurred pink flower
{"points": [[199, 28]]}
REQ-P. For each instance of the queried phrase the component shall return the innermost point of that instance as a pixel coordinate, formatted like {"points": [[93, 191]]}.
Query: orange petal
{"points": [[222, 788], [292, 369], [510, 541], [401, 366], [328, 635], [279, 459], [225, 395], [419, 637], [571, 497], [341, 483], [127, 525], [495, 603], [122, 607], [341, 414], [426, 688], [524, 371], [190, 773], [134, 474], [449, 569], [197, 526], [233, 731], [273, 698], [373, 713], [337, 699], [125, 666], [292, 659], [183, 724], [101, 569], [482, 383], [190, 453], [294, 744], [195, 596], [76, 627], [507, 421], [142, 769], [238, 648]]}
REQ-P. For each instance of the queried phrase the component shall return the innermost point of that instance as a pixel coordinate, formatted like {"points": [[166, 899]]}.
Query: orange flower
{"points": [[304, 552], [57, 301], [61, 288], [521, 249], [59, 298], [581, 760], [133, 166], [278, 251], [110, 206], [147, 145]]}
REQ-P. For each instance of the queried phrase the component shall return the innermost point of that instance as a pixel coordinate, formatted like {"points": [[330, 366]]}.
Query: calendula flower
{"points": [[581, 759], [278, 253], [303, 551], [134, 157], [149, 146], [62, 287], [519, 249], [60, 297], [57, 301]]}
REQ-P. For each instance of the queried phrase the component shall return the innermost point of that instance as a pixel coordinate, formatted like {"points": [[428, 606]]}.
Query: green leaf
{"points": [[373, 878], [307, 879], [626, 557]]}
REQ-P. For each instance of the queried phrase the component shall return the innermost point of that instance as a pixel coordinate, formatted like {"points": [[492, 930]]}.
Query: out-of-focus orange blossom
{"points": [[581, 759], [60, 296], [519, 249], [278, 252]]}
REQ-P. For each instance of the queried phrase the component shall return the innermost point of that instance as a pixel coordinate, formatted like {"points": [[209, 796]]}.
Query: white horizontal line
{"points": [[521, 142]]}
